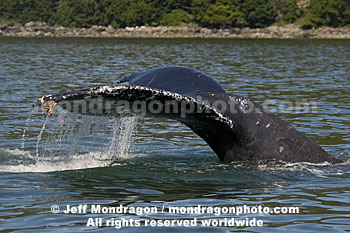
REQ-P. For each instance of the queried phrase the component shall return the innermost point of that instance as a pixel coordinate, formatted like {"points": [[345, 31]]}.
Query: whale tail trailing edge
{"points": [[234, 127]]}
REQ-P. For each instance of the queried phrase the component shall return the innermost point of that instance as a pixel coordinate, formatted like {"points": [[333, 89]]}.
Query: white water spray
{"points": [[39, 138], [127, 129], [91, 141]]}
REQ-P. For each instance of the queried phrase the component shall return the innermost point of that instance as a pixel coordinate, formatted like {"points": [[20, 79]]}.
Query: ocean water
{"points": [[151, 172]]}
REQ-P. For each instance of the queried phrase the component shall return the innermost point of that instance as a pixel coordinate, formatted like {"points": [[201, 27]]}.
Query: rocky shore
{"points": [[39, 29]]}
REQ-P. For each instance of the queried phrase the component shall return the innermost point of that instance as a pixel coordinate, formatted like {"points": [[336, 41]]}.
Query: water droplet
{"points": [[280, 148]]}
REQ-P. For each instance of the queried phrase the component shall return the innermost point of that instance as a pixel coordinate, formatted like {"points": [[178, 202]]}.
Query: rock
{"points": [[110, 29], [130, 29], [3, 26], [204, 30], [306, 34], [30, 24], [26, 34]]}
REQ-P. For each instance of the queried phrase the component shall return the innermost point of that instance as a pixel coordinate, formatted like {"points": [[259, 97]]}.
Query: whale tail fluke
{"points": [[234, 127]]}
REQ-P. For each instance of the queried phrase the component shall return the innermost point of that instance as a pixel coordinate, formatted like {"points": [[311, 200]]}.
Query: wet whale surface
{"points": [[236, 128]]}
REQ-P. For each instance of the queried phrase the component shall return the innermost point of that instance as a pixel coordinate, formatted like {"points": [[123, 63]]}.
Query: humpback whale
{"points": [[236, 128]]}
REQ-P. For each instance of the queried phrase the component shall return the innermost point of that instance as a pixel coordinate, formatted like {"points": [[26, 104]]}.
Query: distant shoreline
{"points": [[38, 29]]}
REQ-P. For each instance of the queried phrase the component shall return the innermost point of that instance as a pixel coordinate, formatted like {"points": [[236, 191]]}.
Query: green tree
{"points": [[291, 11], [122, 13], [176, 17], [259, 13], [333, 13], [221, 13], [23, 11], [76, 13]]}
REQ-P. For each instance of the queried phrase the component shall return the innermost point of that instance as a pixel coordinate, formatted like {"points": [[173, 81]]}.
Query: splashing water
{"points": [[39, 138], [125, 139], [70, 141]]}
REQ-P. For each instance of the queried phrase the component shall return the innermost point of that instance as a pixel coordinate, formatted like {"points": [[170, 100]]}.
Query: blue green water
{"points": [[167, 165]]}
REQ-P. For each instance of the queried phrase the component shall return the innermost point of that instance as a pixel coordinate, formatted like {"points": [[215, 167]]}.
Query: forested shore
{"points": [[176, 18], [201, 13]]}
